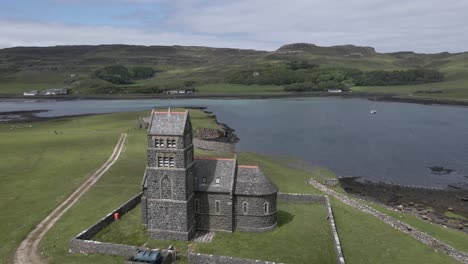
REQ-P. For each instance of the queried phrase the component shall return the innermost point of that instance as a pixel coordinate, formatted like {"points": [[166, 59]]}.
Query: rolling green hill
{"points": [[28, 68]]}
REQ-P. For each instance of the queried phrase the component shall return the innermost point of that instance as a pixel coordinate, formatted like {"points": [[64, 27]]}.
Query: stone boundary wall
{"points": [[336, 239], [220, 147], [395, 223], [109, 218], [323, 199], [209, 133], [300, 198], [198, 258], [83, 244]]}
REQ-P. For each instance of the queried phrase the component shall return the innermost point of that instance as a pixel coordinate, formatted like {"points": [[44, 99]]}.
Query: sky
{"points": [[425, 26]]}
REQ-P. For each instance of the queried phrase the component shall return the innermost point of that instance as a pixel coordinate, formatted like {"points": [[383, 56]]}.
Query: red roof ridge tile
{"points": [[212, 158], [248, 166]]}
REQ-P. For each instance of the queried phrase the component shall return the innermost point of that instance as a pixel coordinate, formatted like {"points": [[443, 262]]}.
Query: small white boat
{"points": [[373, 112]]}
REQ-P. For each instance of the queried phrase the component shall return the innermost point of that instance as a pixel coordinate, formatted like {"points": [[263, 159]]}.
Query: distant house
{"points": [[61, 91], [179, 91], [31, 93], [335, 90]]}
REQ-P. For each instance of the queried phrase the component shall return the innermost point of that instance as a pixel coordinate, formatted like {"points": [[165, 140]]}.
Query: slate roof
{"points": [[212, 169], [168, 124], [250, 180]]}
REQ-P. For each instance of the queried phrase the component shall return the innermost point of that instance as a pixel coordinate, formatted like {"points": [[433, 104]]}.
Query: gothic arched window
{"points": [[266, 208], [244, 207], [166, 190]]}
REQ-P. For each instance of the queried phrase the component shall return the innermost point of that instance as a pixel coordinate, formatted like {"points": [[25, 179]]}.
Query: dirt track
{"points": [[28, 252]]}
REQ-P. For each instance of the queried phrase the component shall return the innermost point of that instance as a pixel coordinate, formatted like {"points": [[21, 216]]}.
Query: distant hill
{"points": [[24, 68], [344, 50]]}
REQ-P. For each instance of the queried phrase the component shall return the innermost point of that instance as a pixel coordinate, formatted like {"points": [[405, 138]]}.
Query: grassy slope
{"points": [[38, 169], [123, 180], [365, 239], [208, 68], [455, 238]]}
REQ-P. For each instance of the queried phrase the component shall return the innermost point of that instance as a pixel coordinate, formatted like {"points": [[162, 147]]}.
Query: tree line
{"points": [[305, 76], [119, 74]]}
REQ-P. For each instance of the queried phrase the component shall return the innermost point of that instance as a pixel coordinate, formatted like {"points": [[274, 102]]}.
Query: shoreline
{"points": [[429, 204], [446, 207], [369, 96]]}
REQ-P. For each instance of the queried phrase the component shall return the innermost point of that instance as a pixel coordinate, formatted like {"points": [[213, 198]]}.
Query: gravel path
{"points": [[395, 223], [28, 252]]}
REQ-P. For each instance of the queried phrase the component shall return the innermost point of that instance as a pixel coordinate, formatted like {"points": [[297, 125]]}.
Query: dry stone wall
{"points": [[198, 258], [395, 223], [219, 147]]}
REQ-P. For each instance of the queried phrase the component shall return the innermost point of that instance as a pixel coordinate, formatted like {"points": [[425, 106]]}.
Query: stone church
{"points": [[182, 195]]}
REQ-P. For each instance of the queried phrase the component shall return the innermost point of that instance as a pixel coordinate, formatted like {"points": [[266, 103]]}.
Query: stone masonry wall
{"points": [[198, 258], [207, 133], [311, 198], [219, 147], [255, 219], [207, 217], [83, 244], [395, 223], [301, 198], [109, 218]]}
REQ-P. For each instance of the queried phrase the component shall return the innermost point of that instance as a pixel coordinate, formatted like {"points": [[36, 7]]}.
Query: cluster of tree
{"points": [[119, 74], [295, 76], [316, 87], [386, 78], [304, 76]]}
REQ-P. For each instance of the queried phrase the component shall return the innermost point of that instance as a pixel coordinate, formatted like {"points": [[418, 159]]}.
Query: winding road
{"points": [[28, 251]]}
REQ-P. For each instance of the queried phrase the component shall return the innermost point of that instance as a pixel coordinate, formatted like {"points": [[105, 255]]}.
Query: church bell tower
{"points": [[168, 195]]}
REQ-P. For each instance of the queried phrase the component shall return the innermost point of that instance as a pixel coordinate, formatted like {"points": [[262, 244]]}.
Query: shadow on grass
{"points": [[284, 218]]}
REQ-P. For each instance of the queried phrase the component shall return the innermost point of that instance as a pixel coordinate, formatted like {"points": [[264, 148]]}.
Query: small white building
{"points": [[31, 93], [55, 92], [179, 91], [335, 90]]}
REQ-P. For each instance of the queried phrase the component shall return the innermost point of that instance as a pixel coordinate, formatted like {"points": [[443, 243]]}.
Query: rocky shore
{"points": [[21, 116], [448, 207]]}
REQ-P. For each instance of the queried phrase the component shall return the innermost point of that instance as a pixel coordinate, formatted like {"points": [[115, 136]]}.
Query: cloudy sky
{"points": [[388, 25]]}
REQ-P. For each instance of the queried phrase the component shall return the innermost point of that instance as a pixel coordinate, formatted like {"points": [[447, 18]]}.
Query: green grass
{"points": [[455, 238], [301, 226], [454, 215], [39, 169], [35, 159], [303, 229], [367, 240], [224, 88]]}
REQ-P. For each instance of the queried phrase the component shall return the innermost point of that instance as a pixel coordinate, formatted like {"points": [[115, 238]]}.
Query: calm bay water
{"points": [[397, 145]]}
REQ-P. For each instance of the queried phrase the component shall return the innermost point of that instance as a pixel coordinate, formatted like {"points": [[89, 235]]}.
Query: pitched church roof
{"points": [[241, 180], [208, 170], [168, 123], [250, 180]]}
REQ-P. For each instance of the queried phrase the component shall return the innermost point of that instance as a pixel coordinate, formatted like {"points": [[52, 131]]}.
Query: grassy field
{"points": [[301, 226], [35, 159], [38, 169]]}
